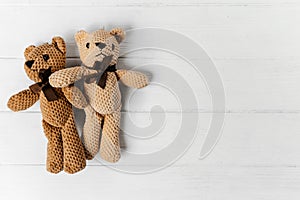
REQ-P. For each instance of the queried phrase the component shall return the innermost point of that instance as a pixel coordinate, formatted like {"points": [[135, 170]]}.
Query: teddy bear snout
{"points": [[42, 71], [100, 45], [102, 65]]}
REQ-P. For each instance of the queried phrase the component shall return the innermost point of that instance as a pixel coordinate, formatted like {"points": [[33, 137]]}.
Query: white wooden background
{"points": [[255, 45]]}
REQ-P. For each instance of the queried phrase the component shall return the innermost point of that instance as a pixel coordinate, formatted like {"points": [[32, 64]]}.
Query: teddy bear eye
{"points": [[87, 45], [113, 47], [29, 63], [46, 57]]}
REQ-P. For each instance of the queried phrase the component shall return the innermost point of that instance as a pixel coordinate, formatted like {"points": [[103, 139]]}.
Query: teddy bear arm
{"points": [[75, 96], [132, 78], [22, 100], [65, 77]]}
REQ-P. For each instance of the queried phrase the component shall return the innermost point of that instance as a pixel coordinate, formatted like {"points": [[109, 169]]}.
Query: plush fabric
{"points": [[65, 150], [99, 53]]}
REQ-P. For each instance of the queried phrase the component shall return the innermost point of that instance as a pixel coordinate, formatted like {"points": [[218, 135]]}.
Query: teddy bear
{"points": [[65, 150], [99, 53]]}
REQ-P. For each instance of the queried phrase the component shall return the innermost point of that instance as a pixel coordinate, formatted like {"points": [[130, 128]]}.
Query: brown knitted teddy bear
{"points": [[65, 150], [99, 52]]}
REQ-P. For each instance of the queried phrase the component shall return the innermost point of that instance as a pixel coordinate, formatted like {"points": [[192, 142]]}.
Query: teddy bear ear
{"points": [[80, 36], [59, 43], [118, 33], [28, 50]]}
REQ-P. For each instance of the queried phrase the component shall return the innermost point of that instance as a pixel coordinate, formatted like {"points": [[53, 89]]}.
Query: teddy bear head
{"points": [[99, 47], [46, 57]]}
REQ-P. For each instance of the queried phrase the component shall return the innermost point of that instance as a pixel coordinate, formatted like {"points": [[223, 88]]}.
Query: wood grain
{"points": [[257, 158], [151, 3], [255, 46], [225, 33], [250, 85]]}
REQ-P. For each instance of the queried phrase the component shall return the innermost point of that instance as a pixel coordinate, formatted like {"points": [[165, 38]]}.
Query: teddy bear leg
{"points": [[55, 148], [91, 132], [110, 145], [74, 157]]}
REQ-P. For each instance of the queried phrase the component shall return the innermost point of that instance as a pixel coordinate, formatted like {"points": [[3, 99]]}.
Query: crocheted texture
{"points": [[91, 132], [75, 97], [55, 147], [27, 97], [66, 76], [65, 150], [99, 50], [110, 144], [132, 78], [107, 100]]}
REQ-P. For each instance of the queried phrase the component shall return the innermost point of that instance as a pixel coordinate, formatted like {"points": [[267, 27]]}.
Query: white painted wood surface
{"points": [[255, 46]]}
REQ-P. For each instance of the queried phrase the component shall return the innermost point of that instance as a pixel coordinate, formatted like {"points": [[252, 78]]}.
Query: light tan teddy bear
{"points": [[99, 52]]}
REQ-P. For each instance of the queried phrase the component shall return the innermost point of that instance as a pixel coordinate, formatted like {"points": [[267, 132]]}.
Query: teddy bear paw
{"points": [[54, 167], [72, 168]]}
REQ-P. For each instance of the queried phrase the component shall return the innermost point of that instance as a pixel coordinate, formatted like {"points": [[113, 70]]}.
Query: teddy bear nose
{"points": [[29, 63], [100, 45]]}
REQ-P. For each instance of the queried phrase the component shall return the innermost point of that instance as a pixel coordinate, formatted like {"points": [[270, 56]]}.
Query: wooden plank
{"points": [[248, 140], [141, 133], [192, 182], [143, 3], [225, 32], [159, 93], [254, 45], [250, 85], [257, 155]]}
